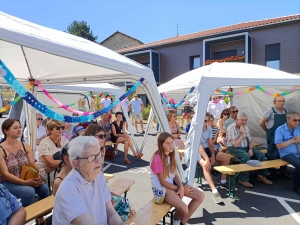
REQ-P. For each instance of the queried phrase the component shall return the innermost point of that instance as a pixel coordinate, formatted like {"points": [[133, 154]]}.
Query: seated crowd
{"points": [[70, 159]]}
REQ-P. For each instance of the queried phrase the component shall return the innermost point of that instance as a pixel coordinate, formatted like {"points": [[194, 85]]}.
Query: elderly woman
{"points": [[119, 136], [83, 197], [105, 123], [69, 131], [48, 147], [81, 105], [13, 155], [175, 129], [224, 116]]}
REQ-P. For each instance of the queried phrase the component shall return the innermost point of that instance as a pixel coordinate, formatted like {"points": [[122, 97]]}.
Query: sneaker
{"points": [[225, 185], [217, 198]]}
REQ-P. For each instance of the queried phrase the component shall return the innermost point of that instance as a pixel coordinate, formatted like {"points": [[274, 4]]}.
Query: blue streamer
{"points": [[174, 106], [31, 100]]}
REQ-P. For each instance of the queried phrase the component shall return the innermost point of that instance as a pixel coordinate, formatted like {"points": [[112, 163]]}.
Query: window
{"points": [[224, 54], [272, 55], [195, 62]]}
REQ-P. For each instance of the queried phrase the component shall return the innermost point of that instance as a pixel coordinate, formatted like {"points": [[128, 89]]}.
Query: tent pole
{"points": [[32, 125], [150, 119]]}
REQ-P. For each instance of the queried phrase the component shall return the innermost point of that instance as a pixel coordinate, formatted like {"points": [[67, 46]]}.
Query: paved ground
{"points": [[263, 204]]}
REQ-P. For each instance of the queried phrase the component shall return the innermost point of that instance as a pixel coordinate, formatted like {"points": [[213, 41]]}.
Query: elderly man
{"points": [[239, 143], [233, 111], [209, 157], [83, 197], [215, 107], [287, 140], [272, 119], [40, 134]]}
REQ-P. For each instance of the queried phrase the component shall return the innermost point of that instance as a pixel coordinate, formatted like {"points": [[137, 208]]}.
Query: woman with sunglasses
{"points": [[118, 135], [175, 129], [48, 147], [13, 155], [224, 116]]}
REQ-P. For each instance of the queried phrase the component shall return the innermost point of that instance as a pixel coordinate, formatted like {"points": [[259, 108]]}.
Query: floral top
{"points": [[69, 134], [47, 147], [14, 161]]}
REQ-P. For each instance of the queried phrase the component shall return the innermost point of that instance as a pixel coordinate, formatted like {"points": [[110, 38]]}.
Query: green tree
{"points": [[81, 29]]}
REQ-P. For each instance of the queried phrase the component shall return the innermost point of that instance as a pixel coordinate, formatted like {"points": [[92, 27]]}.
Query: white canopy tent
{"points": [[209, 78], [85, 88], [54, 57]]}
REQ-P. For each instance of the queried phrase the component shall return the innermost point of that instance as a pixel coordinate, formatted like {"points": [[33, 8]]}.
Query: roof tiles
{"points": [[240, 26]]}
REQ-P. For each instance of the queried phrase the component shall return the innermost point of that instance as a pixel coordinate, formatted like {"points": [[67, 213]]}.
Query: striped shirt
{"points": [[214, 131], [233, 133]]}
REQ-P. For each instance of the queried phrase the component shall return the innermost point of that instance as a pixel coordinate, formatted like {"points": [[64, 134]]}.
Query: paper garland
{"points": [[31, 100], [13, 102], [171, 103], [66, 107], [258, 88]]}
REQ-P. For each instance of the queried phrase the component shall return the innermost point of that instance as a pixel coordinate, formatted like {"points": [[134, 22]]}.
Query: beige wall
{"points": [[119, 41]]}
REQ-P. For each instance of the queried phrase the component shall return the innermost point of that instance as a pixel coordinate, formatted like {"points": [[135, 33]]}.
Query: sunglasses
{"points": [[226, 114], [60, 127], [236, 111], [101, 136], [39, 119], [205, 121], [136, 96], [215, 98], [295, 120]]}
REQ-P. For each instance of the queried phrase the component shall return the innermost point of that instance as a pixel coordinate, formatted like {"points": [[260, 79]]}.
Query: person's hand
{"points": [[207, 165], [296, 139], [212, 160], [33, 182], [242, 130], [188, 190], [38, 182], [180, 192], [250, 152]]}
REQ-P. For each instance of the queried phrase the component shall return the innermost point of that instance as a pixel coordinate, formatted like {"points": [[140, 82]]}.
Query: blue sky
{"points": [[147, 20]]}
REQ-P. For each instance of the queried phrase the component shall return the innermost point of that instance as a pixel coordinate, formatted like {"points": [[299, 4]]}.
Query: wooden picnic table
{"points": [[108, 176]]}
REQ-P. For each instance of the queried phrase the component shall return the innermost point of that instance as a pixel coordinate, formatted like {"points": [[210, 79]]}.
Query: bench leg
{"points": [[231, 186], [125, 194], [199, 174]]}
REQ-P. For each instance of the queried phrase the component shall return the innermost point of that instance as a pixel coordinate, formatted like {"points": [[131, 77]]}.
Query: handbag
{"points": [[123, 207], [29, 171], [57, 155]]}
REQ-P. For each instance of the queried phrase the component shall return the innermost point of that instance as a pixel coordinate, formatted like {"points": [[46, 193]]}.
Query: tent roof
{"points": [[228, 74], [55, 57]]}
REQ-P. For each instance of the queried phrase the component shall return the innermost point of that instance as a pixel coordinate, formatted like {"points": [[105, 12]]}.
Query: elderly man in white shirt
{"points": [[215, 107], [83, 196], [40, 134]]}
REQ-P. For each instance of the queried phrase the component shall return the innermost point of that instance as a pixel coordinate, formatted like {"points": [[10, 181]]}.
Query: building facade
{"points": [[272, 42], [119, 40]]}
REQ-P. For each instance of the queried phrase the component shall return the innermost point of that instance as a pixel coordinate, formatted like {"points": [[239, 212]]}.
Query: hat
{"points": [[79, 129], [106, 95]]}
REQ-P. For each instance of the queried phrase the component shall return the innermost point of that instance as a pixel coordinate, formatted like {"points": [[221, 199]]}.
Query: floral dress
{"points": [[47, 147], [107, 128]]}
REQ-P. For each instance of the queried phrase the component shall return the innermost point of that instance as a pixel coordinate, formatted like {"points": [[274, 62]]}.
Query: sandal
{"points": [[127, 161], [264, 180], [245, 184], [139, 156]]}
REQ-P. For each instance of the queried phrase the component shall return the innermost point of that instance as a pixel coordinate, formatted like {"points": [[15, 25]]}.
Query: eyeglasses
{"points": [[60, 127], [281, 101], [92, 158], [236, 111], [295, 120], [39, 119], [100, 136]]}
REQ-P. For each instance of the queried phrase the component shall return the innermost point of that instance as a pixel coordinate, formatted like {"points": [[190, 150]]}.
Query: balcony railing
{"points": [[239, 58]]}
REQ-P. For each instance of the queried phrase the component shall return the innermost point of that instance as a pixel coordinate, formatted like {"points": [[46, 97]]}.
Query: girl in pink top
{"points": [[165, 179]]}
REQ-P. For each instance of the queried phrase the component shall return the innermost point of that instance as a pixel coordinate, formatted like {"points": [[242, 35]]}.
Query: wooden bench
{"points": [[199, 172], [39, 208], [108, 176], [110, 143], [120, 186], [234, 170], [151, 214]]}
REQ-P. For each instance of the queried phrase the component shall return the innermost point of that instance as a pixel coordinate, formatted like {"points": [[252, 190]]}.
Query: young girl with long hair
{"points": [[166, 183]]}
